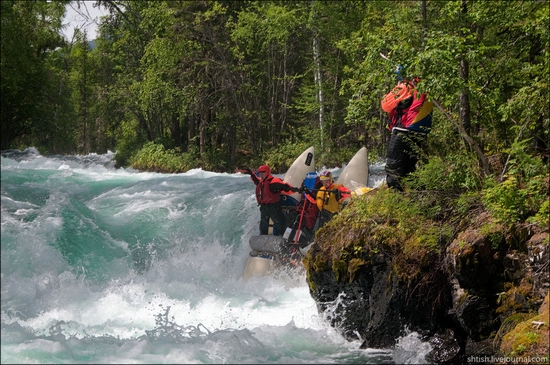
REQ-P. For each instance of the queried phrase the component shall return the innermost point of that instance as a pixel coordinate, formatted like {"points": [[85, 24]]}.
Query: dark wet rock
{"points": [[457, 300], [445, 347], [476, 316], [539, 258], [480, 349], [378, 308]]}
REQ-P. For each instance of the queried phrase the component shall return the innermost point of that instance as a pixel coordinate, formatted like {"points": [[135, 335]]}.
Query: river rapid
{"points": [[105, 265]]}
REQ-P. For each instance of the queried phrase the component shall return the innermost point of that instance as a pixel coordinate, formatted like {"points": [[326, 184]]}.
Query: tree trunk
{"points": [[318, 82], [176, 130], [191, 131], [202, 132], [317, 73], [464, 134], [232, 146], [464, 97], [424, 23]]}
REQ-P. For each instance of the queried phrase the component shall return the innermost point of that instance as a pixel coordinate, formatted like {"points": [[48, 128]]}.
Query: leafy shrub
{"points": [[542, 218], [214, 160], [466, 201], [128, 142], [458, 172], [523, 193], [280, 158], [154, 157]]}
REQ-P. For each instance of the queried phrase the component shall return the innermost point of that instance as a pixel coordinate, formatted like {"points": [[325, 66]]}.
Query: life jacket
{"points": [[413, 113], [332, 201], [264, 195], [401, 92]]}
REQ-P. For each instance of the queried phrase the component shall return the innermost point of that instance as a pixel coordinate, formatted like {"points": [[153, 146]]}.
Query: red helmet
{"points": [[264, 168]]}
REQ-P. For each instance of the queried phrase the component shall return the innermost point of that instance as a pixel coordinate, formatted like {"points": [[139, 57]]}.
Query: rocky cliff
{"points": [[461, 280]]}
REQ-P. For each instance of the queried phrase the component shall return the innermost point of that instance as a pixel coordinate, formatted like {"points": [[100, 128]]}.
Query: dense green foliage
{"points": [[154, 157], [173, 85], [34, 105]]}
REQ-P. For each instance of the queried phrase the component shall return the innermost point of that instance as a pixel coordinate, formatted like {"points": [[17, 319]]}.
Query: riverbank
{"points": [[419, 261]]}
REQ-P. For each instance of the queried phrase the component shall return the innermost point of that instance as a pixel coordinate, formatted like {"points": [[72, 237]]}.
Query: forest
{"points": [[175, 85]]}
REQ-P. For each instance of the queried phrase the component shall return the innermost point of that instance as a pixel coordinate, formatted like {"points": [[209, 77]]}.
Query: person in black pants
{"points": [[268, 195], [410, 121]]}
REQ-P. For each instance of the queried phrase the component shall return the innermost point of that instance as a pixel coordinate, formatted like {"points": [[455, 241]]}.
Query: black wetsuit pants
{"points": [[275, 213], [403, 154]]}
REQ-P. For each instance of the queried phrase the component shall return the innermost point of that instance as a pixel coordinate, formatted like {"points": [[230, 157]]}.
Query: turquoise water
{"points": [[101, 265]]}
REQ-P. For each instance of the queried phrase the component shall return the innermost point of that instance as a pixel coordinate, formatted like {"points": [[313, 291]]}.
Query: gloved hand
{"points": [[295, 190], [244, 171]]}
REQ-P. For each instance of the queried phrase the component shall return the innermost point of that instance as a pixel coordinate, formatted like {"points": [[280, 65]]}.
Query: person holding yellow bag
{"points": [[331, 198]]}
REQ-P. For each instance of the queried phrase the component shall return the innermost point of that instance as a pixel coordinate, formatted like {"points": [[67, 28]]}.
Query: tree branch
{"points": [[466, 137]]}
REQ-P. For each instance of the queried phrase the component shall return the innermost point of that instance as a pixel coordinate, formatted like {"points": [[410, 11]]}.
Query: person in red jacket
{"points": [[307, 212], [410, 121], [268, 195]]}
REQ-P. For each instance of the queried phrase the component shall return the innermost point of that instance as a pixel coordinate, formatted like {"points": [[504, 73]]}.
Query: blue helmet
{"points": [[326, 175], [400, 73]]}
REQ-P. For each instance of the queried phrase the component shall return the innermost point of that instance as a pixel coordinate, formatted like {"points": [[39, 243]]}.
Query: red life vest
{"points": [[307, 208], [264, 194], [311, 211], [415, 117]]}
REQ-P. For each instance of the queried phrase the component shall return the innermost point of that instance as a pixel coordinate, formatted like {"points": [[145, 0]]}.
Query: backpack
{"points": [[399, 93]]}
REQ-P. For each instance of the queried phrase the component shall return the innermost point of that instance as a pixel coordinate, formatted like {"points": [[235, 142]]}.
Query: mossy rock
{"points": [[517, 299], [353, 266], [340, 269], [529, 338]]}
